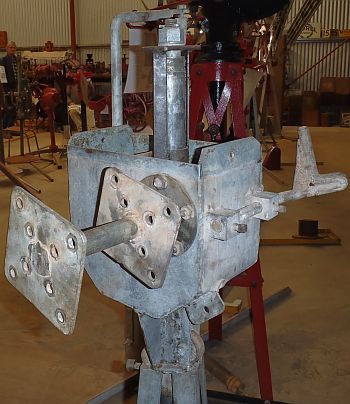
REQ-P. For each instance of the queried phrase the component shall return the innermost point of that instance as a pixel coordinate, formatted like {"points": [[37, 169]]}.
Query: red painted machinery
{"points": [[217, 98]]}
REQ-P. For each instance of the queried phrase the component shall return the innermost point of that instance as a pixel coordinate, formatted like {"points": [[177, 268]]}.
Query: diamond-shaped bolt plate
{"points": [[45, 259]]}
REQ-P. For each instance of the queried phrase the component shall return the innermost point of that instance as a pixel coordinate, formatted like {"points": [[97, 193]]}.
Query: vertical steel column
{"points": [[170, 106], [171, 91], [161, 142], [177, 106], [116, 54]]}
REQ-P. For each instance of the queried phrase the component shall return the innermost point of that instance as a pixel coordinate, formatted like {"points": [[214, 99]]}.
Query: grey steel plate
{"points": [[45, 259], [158, 219]]}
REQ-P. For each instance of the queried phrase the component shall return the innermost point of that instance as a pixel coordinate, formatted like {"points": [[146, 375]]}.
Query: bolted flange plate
{"points": [[158, 219], [172, 189], [45, 259]]}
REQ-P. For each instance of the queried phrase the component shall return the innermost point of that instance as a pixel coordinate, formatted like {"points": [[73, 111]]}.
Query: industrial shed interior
{"points": [[174, 201]]}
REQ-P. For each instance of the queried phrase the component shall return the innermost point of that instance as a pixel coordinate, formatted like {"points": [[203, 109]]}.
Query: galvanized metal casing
{"points": [[225, 177]]}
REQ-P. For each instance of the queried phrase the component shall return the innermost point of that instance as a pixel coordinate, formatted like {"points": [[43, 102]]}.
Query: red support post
{"points": [[252, 279], [260, 336]]}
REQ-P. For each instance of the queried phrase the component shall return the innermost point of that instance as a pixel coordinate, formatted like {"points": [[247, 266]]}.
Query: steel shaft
{"points": [[109, 235]]}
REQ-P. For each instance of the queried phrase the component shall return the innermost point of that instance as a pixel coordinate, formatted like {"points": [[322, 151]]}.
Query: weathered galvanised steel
{"points": [[190, 222]]}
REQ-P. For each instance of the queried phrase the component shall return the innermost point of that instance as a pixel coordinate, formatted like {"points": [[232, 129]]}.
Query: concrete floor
{"points": [[308, 334]]}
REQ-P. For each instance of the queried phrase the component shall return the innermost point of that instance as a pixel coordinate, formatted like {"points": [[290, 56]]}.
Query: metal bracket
{"points": [[158, 220], [227, 223], [45, 259], [205, 307]]}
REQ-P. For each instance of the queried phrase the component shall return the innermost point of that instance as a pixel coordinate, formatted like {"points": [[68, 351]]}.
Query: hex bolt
{"points": [[60, 316], [29, 230], [187, 212], [53, 251], [160, 182], [19, 203], [25, 265], [216, 225], [13, 273], [281, 209], [71, 242], [240, 227], [49, 288], [132, 365], [178, 248]]}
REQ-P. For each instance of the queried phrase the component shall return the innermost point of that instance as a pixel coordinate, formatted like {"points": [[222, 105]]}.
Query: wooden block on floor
{"points": [[327, 237]]}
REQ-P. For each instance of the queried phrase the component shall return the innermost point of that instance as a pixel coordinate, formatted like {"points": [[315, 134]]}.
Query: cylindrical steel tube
{"points": [[116, 54], [109, 235], [176, 106]]}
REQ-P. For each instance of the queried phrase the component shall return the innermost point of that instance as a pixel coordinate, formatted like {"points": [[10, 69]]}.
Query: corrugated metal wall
{"points": [[33, 22], [94, 21], [332, 14]]}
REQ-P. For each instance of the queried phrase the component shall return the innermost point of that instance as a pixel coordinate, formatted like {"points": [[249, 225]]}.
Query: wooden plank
{"points": [[329, 239]]}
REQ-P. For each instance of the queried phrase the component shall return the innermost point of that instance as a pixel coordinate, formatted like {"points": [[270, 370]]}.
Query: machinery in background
{"points": [[162, 235], [226, 59]]}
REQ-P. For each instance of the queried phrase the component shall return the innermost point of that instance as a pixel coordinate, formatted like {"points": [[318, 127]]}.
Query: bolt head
{"points": [[187, 212], [178, 248], [241, 227], [160, 182], [216, 225]]}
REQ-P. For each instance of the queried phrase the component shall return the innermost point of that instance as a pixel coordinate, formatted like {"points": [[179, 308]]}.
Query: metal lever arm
{"points": [[307, 181]]}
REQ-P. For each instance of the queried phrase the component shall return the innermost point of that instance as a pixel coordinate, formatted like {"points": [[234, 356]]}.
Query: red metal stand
{"points": [[231, 75], [253, 280]]}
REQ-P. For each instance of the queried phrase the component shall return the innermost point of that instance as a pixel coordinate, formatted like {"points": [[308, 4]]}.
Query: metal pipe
{"points": [[317, 63], [73, 36], [109, 235], [176, 106], [116, 54]]}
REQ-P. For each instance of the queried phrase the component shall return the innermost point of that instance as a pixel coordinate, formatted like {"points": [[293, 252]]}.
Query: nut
{"points": [[187, 212], [178, 248], [132, 365], [60, 316], [240, 227], [160, 182]]}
